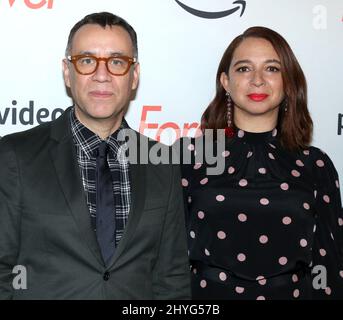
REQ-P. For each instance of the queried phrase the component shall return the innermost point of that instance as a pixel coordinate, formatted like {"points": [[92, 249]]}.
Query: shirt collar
{"points": [[88, 141]]}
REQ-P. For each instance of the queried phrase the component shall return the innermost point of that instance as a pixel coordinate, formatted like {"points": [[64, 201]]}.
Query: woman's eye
{"points": [[273, 69], [243, 69]]}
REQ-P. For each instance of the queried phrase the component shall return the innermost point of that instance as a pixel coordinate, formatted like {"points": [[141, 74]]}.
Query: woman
{"points": [[257, 230]]}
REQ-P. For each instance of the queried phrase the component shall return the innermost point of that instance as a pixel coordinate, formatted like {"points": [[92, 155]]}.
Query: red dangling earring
{"points": [[229, 131]]}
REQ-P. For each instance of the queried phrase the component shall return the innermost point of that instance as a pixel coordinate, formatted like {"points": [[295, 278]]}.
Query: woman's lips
{"points": [[101, 94], [258, 96]]}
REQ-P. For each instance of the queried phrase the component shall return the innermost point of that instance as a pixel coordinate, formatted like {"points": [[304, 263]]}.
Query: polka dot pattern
{"points": [[286, 221], [261, 280], [241, 257], [184, 182], [326, 198], [322, 252], [263, 239], [204, 181], [284, 186], [296, 293], [264, 201], [306, 206], [231, 170], [271, 156], [320, 163], [221, 235], [299, 163], [222, 276], [201, 215], [220, 198], [240, 133], [225, 153], [295, 173], [191, 147], [197, 166], [303, 243], [254, 218], [203, 284], [239, 290], [262, 170], [242, 217], [243, 182]]}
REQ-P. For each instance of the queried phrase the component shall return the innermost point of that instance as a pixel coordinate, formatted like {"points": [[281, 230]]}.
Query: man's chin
{"points": [[108, 114], [100, 113]]}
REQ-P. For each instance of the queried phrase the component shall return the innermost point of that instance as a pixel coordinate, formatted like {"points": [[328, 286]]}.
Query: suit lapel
{"points": [[63, 156]]}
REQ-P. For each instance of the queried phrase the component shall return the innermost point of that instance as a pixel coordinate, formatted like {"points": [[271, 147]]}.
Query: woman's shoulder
{"points": [[318, 156], [323, 167]]}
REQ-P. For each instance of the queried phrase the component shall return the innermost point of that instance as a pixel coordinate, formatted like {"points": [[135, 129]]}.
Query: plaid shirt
{"points": [[86, 143]]}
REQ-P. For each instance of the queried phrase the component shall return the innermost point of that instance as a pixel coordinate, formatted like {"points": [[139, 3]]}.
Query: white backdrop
{"points": [[179, 54]]}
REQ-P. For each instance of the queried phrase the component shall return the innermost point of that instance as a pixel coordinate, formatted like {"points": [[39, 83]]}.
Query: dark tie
{"points": [[105, 209]]}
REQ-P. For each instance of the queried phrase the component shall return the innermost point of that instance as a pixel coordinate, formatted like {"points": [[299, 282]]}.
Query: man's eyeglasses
{"points": [[116, 65]]}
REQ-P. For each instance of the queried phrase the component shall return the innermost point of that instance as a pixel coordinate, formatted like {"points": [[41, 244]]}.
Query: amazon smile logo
{"points": [[240, 5]]}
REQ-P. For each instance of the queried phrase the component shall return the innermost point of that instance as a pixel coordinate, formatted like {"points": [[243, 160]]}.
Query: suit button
{"points": [[106, 276]]}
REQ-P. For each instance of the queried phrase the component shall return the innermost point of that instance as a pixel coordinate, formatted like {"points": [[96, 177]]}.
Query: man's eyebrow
{"points": [[88, 53], [112, 54], [117, 53], [249, 61]]}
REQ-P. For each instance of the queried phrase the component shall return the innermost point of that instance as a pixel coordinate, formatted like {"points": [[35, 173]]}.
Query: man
{"points": [[82, 223]]}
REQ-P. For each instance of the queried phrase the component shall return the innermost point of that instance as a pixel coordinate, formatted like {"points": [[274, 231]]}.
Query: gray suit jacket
{"points": [[45, 225]]}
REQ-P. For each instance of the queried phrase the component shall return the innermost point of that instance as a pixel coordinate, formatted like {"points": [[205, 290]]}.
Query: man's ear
{"points": [[136, 72], [66, 72]]}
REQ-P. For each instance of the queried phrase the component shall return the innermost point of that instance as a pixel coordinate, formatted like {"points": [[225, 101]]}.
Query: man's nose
{"points": [[101, 73]]}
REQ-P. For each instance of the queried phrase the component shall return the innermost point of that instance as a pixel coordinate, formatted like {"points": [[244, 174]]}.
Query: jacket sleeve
{"points": [[327, 250], [171, 277], [9, 217]]}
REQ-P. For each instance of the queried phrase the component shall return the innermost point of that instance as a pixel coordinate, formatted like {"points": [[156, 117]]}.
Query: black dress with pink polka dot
{"points": [[269, 227]]}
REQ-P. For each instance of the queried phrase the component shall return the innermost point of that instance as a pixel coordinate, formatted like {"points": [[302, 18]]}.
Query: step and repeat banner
{"points": [[180, 45]]}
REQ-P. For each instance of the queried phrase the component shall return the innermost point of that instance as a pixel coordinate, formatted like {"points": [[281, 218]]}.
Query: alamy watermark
{"points": [[320, 17], [319, 280], [209, 149], [20, 279]]}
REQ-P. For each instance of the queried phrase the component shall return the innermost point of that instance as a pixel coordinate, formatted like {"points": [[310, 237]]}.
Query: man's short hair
{"points": [[104, 19]]}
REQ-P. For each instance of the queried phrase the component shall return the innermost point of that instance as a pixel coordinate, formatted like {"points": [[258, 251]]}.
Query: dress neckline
{"points": [[256, 137]]}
